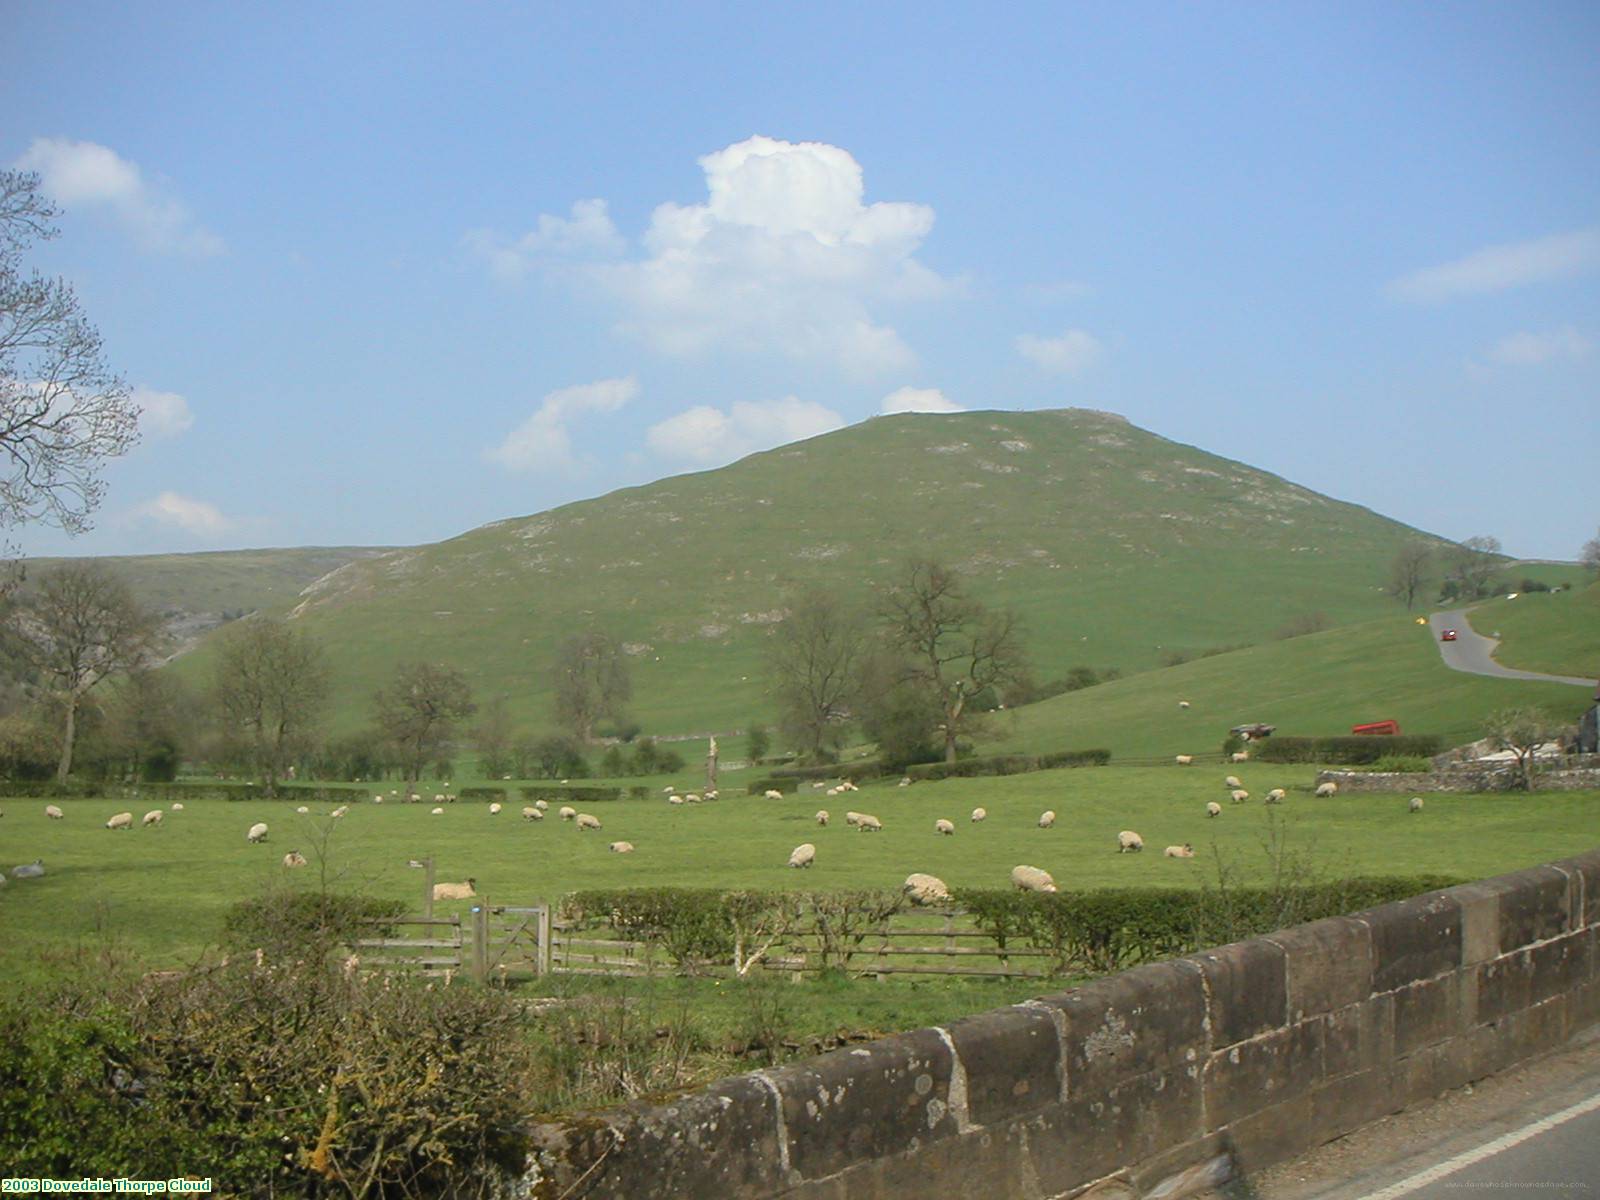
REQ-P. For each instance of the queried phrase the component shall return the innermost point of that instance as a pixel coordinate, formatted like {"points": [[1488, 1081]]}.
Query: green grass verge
{"points": [[1556, 633]]}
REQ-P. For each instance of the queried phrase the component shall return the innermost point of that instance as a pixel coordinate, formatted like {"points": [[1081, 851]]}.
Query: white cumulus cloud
{"points": [[183, 512], [784, 255], [542, 441], [921, 400], [706, 435], [1497, 268], [1068, 353], [86, 175], [1535, 349], [162, 414]]}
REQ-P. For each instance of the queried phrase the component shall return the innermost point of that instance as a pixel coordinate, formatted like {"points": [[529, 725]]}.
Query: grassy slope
{"points": [[1319, 684], [1539, 631], [1116, 545], [164, 890]]}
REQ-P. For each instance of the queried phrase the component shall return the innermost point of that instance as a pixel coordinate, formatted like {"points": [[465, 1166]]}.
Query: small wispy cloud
{"points": [[918, 400], [587, 233], [543, 440], [197, 517], [161, 414], [705, 435], [1536, 349], [86, 175], [1067, 354], [1498, 268]]}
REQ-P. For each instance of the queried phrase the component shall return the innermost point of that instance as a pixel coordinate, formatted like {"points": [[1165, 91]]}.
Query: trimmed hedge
{"points": [[1353, 750], [588, 794], [759, 787], [1009, 764], [490, 794], [855, 772]]}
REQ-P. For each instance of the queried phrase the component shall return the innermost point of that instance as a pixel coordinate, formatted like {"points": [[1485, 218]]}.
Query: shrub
{"points": [[771, 783], [303, 925], [1010, 764], [589, 794], [1353, 749], [855, 772]]}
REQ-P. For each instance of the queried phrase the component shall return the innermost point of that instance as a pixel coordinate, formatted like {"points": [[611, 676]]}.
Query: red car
{"points": [[1449, 635]]}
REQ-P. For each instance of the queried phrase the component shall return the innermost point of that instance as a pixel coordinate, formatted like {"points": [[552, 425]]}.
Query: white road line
{"points": [[1488, 1150]]}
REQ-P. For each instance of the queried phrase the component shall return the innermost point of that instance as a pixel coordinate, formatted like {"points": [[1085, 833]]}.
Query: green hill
{"points": [[1120, 548], [1554, 632]]}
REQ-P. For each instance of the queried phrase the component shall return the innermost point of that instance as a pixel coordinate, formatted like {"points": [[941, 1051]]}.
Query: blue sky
{"points": [[387, 273]]}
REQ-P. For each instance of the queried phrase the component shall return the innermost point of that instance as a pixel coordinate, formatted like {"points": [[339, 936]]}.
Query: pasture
{"points": [[162, 892]]}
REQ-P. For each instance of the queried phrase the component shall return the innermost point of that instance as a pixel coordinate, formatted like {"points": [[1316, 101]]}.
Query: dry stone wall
{"points": [[1142, 1084]]}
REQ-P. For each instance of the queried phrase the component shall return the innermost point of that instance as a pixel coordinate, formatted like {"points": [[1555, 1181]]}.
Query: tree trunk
{"points": [[949, 744], [69, 736]]}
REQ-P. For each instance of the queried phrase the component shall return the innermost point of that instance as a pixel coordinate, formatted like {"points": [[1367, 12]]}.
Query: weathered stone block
{"points": [[1480, 922], [1586, 870], [1427, 1012], [1505, 986], [1352, 1101], [1358, 1037], [1247, 989], [1150, 1018], [1011, 1060], [1273, 1135], [1414, 939], [1533, 1030], [984, 1163], [1329, 965], [1583, 1006], [1534, 905], [868, 1102], [1263, 1072], [1559, 965], [1092, 1135]]}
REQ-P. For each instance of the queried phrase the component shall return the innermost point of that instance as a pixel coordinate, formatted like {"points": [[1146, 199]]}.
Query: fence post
{"points": [[427, 887], [542, 960], [480, 941]]}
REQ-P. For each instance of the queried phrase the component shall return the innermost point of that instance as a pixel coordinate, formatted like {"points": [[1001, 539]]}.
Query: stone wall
{"points": [[1487, 778], [1143, 1083]]}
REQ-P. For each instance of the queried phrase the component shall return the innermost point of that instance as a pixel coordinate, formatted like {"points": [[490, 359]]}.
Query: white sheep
{"points": [[33, 870], [588, 821], [1238, 795], [153, 817], [852, 818], [377, 799], [772, 794], [1415, 805], [1183, 704], [494, 809], [302, 810], [848, 786], [1213, 809], [1184, 760], [924, 890], [1327, 789], [177, 807], [668, 790], [620, 847], [455, 891], [542, 805], [979, 814], [822, 816], [712, 794], [1183, 851], [1232, 781], [1239, 756], [122, 820], [1276, 796], [294, 859], [340, 811], [674, 799], [258, 832], [567, 812], [54, 813], [530, 813], [905, 781], [1047, 818], [819, 785], [943, 826], [1129, 842], [833, 791], [691, 798], [803, 855], [436, 812], [1032, 879], [869, 824]]}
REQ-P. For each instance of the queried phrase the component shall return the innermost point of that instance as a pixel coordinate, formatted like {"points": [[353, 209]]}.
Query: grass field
{"points": [[1540, 631]]}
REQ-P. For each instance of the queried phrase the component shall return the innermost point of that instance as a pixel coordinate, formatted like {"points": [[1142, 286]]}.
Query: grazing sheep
{"points": [[833, 791], [567, 812], [852, 818], [1232, 781], [177, 807], [620, 847], [979, 814], [712, 794], [1184, 760], [436, 812], [1129, 842], [669, 789], [1183, 851], [258, 832], [1183, 704], [1213, 809], [54, 813], [848, 786], [1327, 789], [772, 794], [1239, 756], [905, 781], [294, 859], [1415, 805], [541, 805], [924, 890], [1032, 879], [494, 809], [869, 824], [674, 799], [377, 799], [455, 891], [819, 785], [588, 821], [33, 870], [691, 798], [1238, 795], [822, 816], [340, 811], [123, 820], [1047, 818], [1276, 796], [302, 810], [943, 826], [803, 855], [530, 813], [153, 817]]}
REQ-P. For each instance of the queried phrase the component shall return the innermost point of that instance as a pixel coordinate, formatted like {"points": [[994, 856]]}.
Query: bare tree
{"points": [[812, 664], [271, 689], [1589, 556], [1472, 564], [955, 647], [1522, 731], [418, 712], [62, 410], [492, 737], [78, 628], [591, 681], [1409, 571]]}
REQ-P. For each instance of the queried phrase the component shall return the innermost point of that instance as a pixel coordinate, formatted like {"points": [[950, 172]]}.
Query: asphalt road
{"points": [[1474, 654]]}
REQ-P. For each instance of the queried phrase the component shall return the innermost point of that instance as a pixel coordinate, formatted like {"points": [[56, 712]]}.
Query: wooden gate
{"points": [[435, 949]]}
